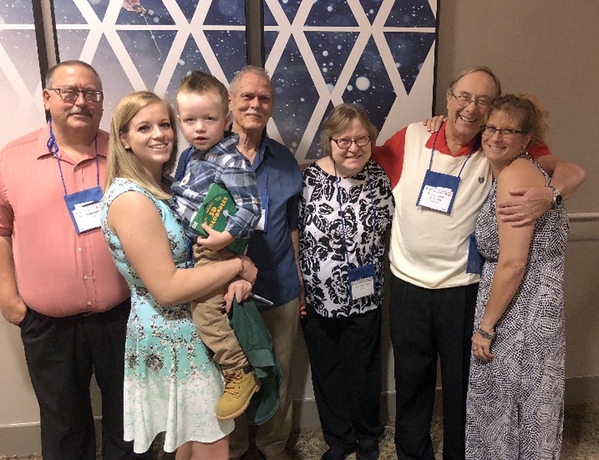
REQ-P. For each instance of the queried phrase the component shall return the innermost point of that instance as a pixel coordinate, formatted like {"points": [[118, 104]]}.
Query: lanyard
{"points": [[53, 149], [343, 219], [475, 147]]}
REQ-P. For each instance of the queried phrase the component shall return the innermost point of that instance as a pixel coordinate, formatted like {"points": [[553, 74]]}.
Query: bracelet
{"points": [[485, 334]]}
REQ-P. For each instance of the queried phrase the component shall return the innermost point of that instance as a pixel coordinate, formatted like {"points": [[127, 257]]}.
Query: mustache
{"points": [[80, 111]]}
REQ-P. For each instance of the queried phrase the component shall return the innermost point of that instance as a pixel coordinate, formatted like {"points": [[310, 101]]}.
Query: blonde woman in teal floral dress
{"points": [[171, 384]]}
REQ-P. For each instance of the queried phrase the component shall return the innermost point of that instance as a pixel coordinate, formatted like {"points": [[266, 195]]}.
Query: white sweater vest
{"points": [[430, 248]]}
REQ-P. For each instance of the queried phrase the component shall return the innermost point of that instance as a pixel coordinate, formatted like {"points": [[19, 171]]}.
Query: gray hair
{"points": [[71, 63]]}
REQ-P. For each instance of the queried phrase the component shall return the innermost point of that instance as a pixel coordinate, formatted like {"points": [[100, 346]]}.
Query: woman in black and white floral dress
{"points": [[345, 211]]}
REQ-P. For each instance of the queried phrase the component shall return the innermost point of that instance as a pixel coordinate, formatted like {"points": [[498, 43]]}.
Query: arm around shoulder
{"points": [[566, 177], [135, 220]]}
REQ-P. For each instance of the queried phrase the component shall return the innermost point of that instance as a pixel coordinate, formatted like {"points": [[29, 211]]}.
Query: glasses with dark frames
{"points": [[71, 94], [465, 99], [491, 130], [345, 143]]}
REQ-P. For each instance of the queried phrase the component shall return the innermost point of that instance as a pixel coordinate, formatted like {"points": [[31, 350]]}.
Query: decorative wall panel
{"points": [[20, 81], [375, 53], [151, 44]]}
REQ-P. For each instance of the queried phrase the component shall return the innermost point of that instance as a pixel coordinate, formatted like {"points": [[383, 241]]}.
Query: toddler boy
{"points": [[203, 106]]}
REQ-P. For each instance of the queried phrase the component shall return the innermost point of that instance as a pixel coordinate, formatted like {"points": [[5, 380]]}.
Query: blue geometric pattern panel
{"points": [[151, 44], [20, 81], [378, 54]]}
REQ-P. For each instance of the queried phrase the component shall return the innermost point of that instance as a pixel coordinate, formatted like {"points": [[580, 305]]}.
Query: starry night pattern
{"points": [[411, 13], [229, 46], [331, 13], [158, 57], [20, 81], [331, 50], [16, 12], [191, 58], [370, 87], [293, 111], [409, 51], [226, 12], [373, 62], [289, 7], [371, 8]]}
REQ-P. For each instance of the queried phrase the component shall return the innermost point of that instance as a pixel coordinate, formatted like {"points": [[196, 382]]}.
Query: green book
{"points": [[214, 211]]}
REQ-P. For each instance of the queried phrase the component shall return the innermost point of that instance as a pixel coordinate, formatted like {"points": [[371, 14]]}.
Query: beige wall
{"points": [[546, 47], [551, 49]]}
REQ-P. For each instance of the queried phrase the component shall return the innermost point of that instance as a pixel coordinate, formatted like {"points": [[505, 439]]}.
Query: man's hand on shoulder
{"points": [[525, 205]]}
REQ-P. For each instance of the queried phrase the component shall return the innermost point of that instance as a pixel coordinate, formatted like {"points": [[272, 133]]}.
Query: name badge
{"points": [[84, 208], [263, 222], [438, 191], [361, 282]]}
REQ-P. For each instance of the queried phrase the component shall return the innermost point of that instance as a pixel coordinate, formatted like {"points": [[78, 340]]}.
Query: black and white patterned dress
{"points": [[322, 241], [515, 402]]}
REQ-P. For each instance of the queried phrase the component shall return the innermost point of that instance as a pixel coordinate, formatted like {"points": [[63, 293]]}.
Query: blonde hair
{"points": [[339, 120], [197, 82], [121, 162], [527, 109]]}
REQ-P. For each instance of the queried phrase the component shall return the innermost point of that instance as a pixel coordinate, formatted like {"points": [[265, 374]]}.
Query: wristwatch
{"points": [[557, 197]]}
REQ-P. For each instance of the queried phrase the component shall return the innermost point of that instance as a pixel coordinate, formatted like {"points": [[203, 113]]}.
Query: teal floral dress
{"points": [[171, 384]]}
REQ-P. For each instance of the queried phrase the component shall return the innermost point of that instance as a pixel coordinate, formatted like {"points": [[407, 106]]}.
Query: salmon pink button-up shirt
{"points": [[59, 273]]}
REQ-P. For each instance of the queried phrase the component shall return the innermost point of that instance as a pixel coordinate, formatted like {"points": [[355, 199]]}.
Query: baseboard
{"points": [[24, 439], [579, 390]]}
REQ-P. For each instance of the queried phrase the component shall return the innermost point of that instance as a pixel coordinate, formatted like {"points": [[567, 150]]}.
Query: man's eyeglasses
{"points": [[345, 143], [465, 99], [491, 130], [71, 94]]}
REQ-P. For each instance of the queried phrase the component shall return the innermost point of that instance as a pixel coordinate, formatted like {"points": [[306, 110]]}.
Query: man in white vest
{"points": [[434, 278]]}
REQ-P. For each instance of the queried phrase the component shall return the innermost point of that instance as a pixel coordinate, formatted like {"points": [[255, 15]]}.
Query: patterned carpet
{"points": [[581, 440]]}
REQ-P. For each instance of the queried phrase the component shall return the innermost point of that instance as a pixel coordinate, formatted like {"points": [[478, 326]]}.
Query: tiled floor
{"points": [[581, 440]]}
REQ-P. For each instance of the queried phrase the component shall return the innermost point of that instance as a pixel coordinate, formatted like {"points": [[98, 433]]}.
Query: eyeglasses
{"points": [[345, 143], [71, 94], [465, 99], [491, 130]]}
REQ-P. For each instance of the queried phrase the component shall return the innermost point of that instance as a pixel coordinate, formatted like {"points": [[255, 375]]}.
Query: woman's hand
{"points": [[434, 124], [481, 347], [248, 270], [239, 289]]}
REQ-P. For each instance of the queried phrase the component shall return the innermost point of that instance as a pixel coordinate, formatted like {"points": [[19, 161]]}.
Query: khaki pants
{"points": [[211, 319], [271, 437]]}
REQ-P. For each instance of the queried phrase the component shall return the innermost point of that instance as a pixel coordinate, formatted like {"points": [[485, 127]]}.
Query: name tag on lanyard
{"points": [[84, 208], [361, 281], [438, 191]]}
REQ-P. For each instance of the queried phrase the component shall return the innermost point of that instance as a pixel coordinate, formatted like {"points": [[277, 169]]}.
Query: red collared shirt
{"points": [[390, 154], [59, 273]]}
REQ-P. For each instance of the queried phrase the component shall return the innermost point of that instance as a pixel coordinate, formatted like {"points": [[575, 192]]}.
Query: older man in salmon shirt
{"points": [[58, 282]]}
